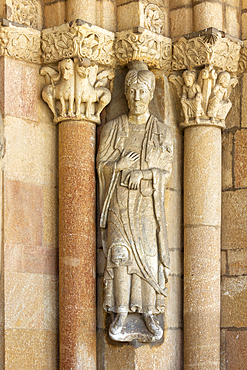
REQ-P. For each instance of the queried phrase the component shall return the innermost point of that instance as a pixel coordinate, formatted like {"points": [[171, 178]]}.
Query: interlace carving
{"points": [[78, 39], [205, 100], [20, 43], [143, 45], [72, 91]]}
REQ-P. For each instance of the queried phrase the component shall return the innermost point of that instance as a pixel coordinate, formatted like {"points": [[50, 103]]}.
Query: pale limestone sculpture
{"points": [[205, 100], [134, 164], [76, 82]]}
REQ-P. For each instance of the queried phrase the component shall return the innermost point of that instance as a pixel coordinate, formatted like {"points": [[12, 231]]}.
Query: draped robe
{"points": [[135, 219]]}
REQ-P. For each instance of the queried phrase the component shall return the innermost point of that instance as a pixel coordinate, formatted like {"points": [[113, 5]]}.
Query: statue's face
{"points": [[138, 97], [189, 80], [67, 69]]}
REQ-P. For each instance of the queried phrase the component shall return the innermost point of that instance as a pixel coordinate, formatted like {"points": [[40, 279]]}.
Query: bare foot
{"points": [[117, 324], [152, 324]]}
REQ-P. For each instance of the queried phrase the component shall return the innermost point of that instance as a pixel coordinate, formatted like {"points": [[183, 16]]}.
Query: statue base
{"points": [[135, 329]]}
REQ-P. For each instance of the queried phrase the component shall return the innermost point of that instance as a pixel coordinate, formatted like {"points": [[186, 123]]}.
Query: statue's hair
{"points": [[190, 72], [140, 76]]}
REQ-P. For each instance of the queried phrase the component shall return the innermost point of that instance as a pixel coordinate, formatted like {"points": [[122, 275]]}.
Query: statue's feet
{"points": [[152, 324], [118, 323]]}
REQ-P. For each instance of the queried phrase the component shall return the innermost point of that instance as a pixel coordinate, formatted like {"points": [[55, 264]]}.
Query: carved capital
{"points": [[204, 96], [20, 43], [77, 90], [78, 39], [243, 58], [206, 47], [143, 45]]}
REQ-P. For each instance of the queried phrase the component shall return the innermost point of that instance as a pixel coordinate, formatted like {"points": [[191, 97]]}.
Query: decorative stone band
{"points": [[209, 46], [20, 42], [143, 45], [78, 39]]}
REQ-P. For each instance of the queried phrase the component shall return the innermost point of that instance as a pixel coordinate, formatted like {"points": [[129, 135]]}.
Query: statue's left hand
{"points": [[134, 179]]}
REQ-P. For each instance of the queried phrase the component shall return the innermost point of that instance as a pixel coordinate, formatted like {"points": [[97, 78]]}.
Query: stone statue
{"points": [[191, 99], [134, 165]]}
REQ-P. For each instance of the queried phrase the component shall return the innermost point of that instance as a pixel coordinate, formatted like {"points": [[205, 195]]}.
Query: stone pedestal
{"points": [[77, 245], [202, 220]]}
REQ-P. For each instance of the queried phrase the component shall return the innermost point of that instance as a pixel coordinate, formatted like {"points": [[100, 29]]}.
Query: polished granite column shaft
{"points": [[202, 220], [77, 245]]}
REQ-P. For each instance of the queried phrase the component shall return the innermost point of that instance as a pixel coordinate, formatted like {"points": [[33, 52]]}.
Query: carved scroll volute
{"points": [[77, 89]]}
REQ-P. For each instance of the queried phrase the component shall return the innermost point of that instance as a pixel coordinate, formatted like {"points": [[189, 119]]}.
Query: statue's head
{"points": [[139, 90], [189, 77], [66, 68], [224, 79]]}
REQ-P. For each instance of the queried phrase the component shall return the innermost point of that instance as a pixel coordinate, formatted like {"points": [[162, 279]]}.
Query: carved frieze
{"points": [[20, 43], [143, 45], [210, 48], [78, 39], [243, 58], [154, 18], [204, 96], [26, 12], [77, 90]]}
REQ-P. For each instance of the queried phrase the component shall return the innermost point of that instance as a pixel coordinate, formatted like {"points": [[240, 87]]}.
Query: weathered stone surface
{"points": [[50, 233], [236, 350], [23, 213], [244, 98], [181, 21], [30, 349], [240, 159], [54, 14], [223, 263], [50, 286], [173, 205], [202, 194], [174, 303], [234, 219], [31, 153], [24, 301], [227, 160], [207, 14], [237, 262], [232, 21], [234, 302]]}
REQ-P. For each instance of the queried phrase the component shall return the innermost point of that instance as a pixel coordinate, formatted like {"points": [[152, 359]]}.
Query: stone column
{"points": [[202, 220], [204, 112], [71, 94], [77, 245]]}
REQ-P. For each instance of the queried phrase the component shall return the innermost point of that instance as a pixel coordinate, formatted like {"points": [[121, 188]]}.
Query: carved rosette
{"points": [[143, 45], [154, 18], [210, 48], [26, 12], [78, 39], [20, 43]]}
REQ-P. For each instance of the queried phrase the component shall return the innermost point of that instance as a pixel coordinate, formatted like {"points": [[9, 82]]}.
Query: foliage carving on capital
{"points": [[78, 39], [20, 43], [77, 90], [143, 45], [204, 96], [211, 48]]}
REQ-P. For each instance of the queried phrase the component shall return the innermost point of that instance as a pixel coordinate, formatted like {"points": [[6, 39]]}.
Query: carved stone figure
{"points": [[191, 99], [204, 100], [76, 82], [219, 102], [134, 164]]}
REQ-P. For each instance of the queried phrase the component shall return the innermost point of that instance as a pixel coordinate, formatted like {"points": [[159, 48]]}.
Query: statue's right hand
{"points": [[126, 161]]}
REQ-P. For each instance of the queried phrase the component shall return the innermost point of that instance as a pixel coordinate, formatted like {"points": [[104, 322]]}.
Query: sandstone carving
{"points": [[204, 100], [76, 83], [25, 12], [20, 43], [78, 39], [134, 165], [143, 45], [243, 58], [211, 48], [154, 18]]}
